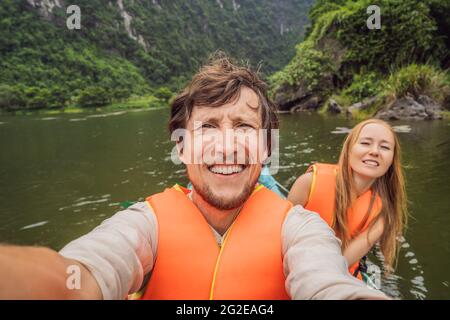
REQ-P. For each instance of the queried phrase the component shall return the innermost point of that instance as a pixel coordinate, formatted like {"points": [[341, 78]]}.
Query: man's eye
{"points": [[245, 125], [207, 126]]}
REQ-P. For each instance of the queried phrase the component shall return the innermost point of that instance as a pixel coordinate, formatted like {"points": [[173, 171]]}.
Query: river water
{"points": [[62, 175]]}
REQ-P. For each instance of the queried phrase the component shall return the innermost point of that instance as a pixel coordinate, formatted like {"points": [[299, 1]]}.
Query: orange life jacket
{"points": [[191, 265], [322, 196]]}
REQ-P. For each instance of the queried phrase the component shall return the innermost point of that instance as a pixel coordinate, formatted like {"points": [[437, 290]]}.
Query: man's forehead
{"points": [[245, 105]]}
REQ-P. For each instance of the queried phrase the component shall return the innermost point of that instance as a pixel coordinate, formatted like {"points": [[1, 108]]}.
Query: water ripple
{"points": [[34, 225], [402, 129], [77, 119], [86, 201], [341, 130]]}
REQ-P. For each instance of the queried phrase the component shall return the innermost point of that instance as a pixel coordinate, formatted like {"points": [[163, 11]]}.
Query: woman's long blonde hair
{"points": [[390, 187]]}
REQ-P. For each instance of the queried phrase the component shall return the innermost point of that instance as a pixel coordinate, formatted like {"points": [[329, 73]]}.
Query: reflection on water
{"points": [[391, 282], [62, 175], [34, 225]]}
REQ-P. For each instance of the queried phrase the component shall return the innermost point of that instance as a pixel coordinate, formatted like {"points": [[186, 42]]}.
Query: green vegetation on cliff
{"points": [[133, 48], [410, 54]]}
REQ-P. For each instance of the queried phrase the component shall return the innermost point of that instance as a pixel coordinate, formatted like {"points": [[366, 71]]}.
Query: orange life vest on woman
{"points": [[191, 265], [322, 196]]}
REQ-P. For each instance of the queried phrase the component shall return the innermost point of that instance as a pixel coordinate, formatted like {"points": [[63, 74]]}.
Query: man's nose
{"points": [[227, 146]]}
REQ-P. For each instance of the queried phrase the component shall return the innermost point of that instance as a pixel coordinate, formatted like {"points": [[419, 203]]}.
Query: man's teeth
{"points": [[226, 169], [371, 162]]}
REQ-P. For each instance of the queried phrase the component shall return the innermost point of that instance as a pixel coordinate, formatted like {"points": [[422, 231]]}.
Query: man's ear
{"points": [[180, 150], [179, 136], [265, 155]]}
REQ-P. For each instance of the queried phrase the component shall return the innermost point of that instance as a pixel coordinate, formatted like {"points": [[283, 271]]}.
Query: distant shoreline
{"points": [[138, 103]]}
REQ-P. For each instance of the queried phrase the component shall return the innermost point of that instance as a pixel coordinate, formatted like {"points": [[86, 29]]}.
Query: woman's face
{"points": [[373, 153]]}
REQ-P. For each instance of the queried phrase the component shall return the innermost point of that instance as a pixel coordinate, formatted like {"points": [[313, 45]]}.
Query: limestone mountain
{"points": [[136, 45]]}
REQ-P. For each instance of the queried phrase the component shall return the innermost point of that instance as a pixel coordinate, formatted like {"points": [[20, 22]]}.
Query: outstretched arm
{"points": [[111, 260], [313, 263], [41, 273]]}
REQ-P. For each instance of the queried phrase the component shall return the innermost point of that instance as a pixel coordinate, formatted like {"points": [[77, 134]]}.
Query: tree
{"points": [[94, 97], [164, 94], [11, 98]]}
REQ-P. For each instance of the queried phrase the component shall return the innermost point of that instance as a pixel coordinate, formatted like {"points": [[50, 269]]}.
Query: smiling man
{"points": [[227, 238], [222, 166]]}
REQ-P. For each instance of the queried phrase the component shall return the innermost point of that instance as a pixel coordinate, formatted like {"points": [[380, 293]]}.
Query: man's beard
{"points": [[206, 193]]}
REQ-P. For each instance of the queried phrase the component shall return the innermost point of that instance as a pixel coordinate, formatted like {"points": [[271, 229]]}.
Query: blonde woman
{"points": [[362, 197]]}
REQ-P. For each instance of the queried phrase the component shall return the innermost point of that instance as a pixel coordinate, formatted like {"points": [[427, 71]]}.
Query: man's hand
{"points": [[41, 273]]}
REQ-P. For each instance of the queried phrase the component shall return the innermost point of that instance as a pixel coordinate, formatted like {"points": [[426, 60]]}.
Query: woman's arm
{"points": [[362, 244], [299, 193]]}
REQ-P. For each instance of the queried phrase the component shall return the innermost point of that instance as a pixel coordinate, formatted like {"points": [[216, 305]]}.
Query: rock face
{"points": [[334, 107], [294, 99], [300, 98], [127, 18], [408, 108], [362, 105], [45, 7]]}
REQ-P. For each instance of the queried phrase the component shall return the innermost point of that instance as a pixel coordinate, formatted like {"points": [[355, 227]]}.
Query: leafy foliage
{"points": [[414, 36], [163, 94], [93, 97], [308, 66], [363, 86], [41, 58], [11, 97], [416, 79]]}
